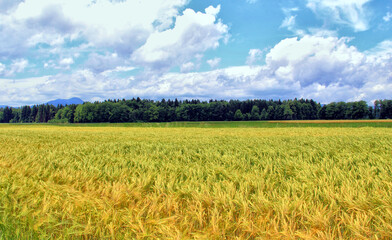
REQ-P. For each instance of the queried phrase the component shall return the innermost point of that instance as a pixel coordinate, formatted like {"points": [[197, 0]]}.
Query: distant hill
{"points": [[57, 102], [65, 101]]}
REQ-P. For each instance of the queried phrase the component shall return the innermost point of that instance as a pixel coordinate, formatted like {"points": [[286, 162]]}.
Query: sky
{"points": [[326, 50]]}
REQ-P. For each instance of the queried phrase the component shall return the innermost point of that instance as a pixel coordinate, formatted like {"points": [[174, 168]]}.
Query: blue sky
{"points": [[327, 50]]}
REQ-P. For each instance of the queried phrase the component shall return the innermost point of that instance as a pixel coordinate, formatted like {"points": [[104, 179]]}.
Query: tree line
{"points": [[144, 110]]}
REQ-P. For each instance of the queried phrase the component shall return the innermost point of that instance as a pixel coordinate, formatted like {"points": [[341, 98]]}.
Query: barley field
{"points": [[74, 182]]}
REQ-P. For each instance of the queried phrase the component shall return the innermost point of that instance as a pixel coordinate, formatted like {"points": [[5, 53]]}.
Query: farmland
{"points": [[196, 181]]}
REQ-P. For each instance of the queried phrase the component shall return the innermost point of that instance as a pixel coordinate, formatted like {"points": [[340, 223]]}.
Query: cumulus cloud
{"points": [[254, 56], [322, 68], [17, 66], [187, 67], [21, 92], [317, 59], [382, 51], [66, 62], [192, 34], [151, 33], [328, 69], [83, 83], [352, 13], [214, 63], [12, 40], [119, 25]]}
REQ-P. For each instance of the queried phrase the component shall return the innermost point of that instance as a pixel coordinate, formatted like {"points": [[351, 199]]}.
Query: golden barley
{"points": [[195, 183]]}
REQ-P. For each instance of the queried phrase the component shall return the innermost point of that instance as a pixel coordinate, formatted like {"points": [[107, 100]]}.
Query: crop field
{"points": [[146, 182]]}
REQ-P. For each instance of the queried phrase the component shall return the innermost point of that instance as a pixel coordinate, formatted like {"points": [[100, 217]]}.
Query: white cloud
{"points": [[214, 63], [348, 12], [120, 25], [322, 68], [66, 62], [213, 11], [187, 67], [192, 34], [382, 51], [2, 69], [17, 66], [319, 59], [118, 69], [254, 56], [251, 1], [387, 17], [109, 32], [21, 92], [288, 22]]}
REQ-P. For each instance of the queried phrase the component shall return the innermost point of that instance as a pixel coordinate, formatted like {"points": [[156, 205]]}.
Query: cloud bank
{"points": [[155, 49], [322, 68]]}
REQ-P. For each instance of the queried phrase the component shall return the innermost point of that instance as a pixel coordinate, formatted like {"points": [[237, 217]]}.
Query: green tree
{"points": [[151, 113], [25, 114], [255, 113], [360, 110], [287, 112], [385, 109], [40, 118], [322, 112], [238, 116], [263, 114], [330, 111], [270, 112], [340, 110], [33, 114], [69, 113], [7, 115], [103, 111], [181, 113], [16, 113], [59, 114], [85, 113], [119, 113]]}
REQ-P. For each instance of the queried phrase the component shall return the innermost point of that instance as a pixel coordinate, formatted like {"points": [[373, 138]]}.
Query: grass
{"points": [[248, 124], [379, 123], [76, 182]]}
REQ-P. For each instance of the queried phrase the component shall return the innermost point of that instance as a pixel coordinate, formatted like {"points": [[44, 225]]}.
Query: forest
{"points": [[144, 110]]}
